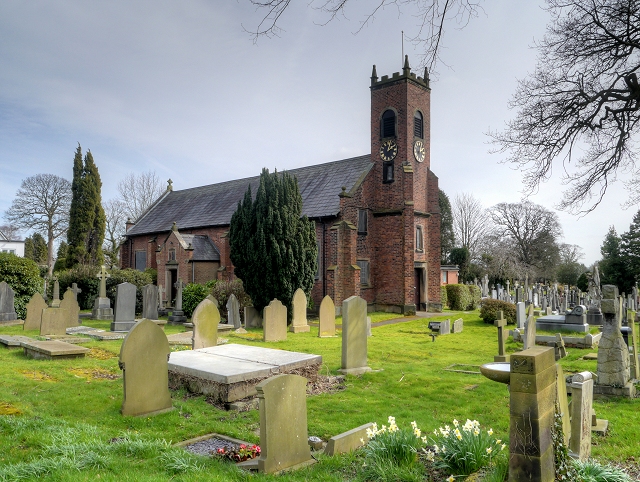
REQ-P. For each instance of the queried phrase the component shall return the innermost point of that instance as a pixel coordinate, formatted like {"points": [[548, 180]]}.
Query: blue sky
{"points": [[181, 89]]}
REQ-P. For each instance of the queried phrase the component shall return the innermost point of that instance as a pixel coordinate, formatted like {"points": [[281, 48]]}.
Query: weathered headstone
{"points": [[275, 322], [283, 423], [102, 306], [162, 311], [69, 303], [233, 311], [213, 300], [634, 365], [7, 309], [205, 319], [501, 323], [613, 354], [348, 441], [54, 321], [530, 330], [34, 312], [327, 325], [252, 318], [563, 404], [354, 336], [299, 322], [458, 325], [581, 405], [560, 350], [144, 364], [445, 327], [177, 315], [532, 389], [150, 302], [520, 315], [124, 316], [55, 302]]}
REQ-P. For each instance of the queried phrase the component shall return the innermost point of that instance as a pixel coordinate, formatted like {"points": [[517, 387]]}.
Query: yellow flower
{"points": [[362, 441], [498, 441], [451, 478], [489, 450], [503, 446], [490, 431], [414, 425], [424, 439], [476, 432], [455, 422], [417, 432]]}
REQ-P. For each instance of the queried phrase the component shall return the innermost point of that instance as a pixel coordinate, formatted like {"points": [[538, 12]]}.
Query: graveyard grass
{"points": [[60, 420]]}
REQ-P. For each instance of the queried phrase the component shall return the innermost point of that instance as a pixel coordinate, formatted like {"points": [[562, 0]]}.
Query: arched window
{"points": [[388, 124], [418, 125]]}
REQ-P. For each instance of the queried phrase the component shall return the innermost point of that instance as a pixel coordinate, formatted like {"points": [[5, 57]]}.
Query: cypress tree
{"points": [[273, 247], [86, 217], [447, 238]]}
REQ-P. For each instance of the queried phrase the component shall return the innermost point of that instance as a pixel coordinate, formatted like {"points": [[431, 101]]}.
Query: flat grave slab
{"points": [[13, 341], [107, 335], [52, 350], [231, 372], [12, 323], [186, 338], [73, 330], [75, 340]]}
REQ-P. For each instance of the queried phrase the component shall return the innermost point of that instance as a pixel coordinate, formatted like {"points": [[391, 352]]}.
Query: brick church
{"points": [[377, 216]]}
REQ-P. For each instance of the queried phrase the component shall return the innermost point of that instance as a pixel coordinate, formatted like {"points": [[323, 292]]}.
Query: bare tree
{"points": [[431, 17], [471, 223], [139, 192], [114, 211], [533, 233], [42, 203], [580, 106], [10, 231]]}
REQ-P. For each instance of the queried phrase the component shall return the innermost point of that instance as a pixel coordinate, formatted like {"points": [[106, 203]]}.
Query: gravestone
{"points": [[34, 312], [177, 315], [124, 316], [252, 318], [520, 315], [283, 423], [501, 323], [214, 301], [354, 336], [560, 350], [613, 354], [577, 316], [7, 309], [69, 303], [55, 302], [563, 404], [369, 333], [348, 441], [581, 404], [458, 325], [544, 305], [299, 322], [205, 319], [233, 311], [327, 325], [74, 288], [102, 305], [635, 364], [530, 330], [150, 302], [532, 390], [275, 322], [445, 327], [144, 364], [162, 311], [54, 321]]}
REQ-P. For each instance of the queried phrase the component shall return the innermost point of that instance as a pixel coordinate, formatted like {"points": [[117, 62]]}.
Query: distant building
{"points": [[449, 274], [377, 216], [12, 246]]}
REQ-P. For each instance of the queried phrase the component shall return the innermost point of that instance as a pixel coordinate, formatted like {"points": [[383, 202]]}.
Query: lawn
{"points": [[61, 420]]}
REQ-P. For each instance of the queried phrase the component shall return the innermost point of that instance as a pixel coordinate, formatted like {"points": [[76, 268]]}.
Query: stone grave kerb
{"points": [[501, 323], [283, 424], [144, 357], [205, 319]]}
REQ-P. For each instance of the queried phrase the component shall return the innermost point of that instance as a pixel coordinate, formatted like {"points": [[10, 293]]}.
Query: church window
{"points": [[172, 254], [319, 270], [418, 125], [362, 221], [419, 239], [387, 172], [364, 271], [388, 124], [141, 260]]}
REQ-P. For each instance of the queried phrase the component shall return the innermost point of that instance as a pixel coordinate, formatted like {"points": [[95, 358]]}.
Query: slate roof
{"points": [[213, 205], [203, 247]]}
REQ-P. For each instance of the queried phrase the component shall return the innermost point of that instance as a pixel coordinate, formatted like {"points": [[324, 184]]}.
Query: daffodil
{"points": [[503, 446], [489, 450], [451, 478], [490, 431]]}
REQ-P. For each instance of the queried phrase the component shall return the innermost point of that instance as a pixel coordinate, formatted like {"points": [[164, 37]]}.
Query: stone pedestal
{"points": [[177, 316], [532, 409], [102, 309]]}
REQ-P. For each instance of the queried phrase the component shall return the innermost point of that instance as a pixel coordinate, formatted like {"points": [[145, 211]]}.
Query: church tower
{"points": [[405, 200]]}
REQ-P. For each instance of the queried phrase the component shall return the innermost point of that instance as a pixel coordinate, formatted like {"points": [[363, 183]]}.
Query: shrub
{"points": [[476, 295], [463, 450], [133, 276], [458, 297], [192, 295], [490, 310], [23, 276], [222, 290], [443, 295], [85, 278], [154, 275]]}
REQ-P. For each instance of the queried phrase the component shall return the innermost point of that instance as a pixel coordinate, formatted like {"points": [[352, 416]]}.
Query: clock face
{"points": [[388, 150], [418, 151]]}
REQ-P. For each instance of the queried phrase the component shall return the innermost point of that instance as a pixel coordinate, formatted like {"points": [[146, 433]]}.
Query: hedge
{"points": [[476, 295], [222, 290], [23, 276], [490, 310], [458, 297]]}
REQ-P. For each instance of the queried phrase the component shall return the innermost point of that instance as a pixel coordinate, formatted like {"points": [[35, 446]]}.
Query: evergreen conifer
{"points": [[273, 247]]}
